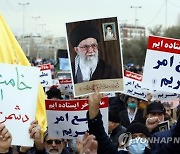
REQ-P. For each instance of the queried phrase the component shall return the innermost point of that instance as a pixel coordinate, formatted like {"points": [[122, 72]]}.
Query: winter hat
{"points": [[136, 127]]}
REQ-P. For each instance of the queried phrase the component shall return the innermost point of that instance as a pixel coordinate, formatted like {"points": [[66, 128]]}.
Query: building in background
{"points": [[129, 32], [42, 47]]}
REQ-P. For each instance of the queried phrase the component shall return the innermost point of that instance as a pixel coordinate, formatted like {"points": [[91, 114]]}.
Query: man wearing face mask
{"points": [[132, 112], [139, 143]]}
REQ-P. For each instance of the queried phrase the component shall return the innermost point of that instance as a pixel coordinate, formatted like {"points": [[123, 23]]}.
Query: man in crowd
{"points": [[54, 145], [132, 112], [155, 113], [115, 128], [168, 114], [87, 65]]}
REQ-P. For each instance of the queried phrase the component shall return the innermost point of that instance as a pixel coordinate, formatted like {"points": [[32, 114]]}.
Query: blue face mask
{"points": [[137, 145], [132, 105]]}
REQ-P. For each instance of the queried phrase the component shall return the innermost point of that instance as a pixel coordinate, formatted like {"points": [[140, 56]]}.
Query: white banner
{"points": [[67, 118]]}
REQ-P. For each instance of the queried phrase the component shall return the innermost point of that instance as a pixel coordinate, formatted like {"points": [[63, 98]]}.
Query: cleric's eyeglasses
{"points": [[51, 141], [86, 47]]}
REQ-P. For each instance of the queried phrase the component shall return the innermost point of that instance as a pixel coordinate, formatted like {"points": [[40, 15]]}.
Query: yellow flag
{"points": [[11, 53]]}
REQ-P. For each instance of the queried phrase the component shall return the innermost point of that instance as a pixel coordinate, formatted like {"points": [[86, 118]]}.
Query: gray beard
{"points": [[88, 66]]}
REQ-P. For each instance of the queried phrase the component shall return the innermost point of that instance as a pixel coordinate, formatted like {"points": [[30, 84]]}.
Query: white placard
{"points": [[18, 98], [162, 65], [133, 87], [67, 119]]}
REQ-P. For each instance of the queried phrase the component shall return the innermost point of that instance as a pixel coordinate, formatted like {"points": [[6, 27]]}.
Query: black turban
{"points": [[83, 31]]}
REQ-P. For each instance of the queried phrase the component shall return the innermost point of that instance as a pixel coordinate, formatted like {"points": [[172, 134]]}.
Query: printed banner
{"points": [[162, 65], [133, 87], [67, 118]]}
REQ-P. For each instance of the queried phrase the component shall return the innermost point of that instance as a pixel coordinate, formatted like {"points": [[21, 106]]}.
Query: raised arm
{"points": [[95, 124]]}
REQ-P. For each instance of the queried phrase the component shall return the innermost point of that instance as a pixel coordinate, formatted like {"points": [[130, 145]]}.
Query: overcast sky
{"points": [[55, 13]]}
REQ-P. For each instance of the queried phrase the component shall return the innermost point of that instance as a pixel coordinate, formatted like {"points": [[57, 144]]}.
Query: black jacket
{"points": [[125, 119]]}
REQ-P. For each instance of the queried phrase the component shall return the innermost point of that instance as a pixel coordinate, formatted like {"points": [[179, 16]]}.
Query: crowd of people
{"points": [[125, 117], [133, 128]]}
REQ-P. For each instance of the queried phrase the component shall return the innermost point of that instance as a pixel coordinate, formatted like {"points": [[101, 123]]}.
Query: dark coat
{"points": [[163, 143], [114, 136], [125, 119], [102, 71]]}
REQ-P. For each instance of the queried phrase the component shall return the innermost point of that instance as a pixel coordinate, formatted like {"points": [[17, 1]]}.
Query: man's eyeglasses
{"points": [[86, 47], [51, 141]]}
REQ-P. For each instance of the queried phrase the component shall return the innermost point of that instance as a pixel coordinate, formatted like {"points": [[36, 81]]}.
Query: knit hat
{"points": [[155, 107], [136, 127], [114, 116], [82, 32]]}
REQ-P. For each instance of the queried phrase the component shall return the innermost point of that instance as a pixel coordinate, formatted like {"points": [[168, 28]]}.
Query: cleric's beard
{"points": [[89, 61], [88, 65]]}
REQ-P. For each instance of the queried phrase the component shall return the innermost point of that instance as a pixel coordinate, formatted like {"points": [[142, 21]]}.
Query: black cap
{"points": [[114, 116], [82, 32], [155, 107], [136, 127]]}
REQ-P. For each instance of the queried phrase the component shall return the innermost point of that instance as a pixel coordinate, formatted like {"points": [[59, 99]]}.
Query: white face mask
{"points": [[137, 145]]}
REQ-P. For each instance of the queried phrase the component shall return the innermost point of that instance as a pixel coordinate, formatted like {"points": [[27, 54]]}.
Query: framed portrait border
{"points": [[104, 30]]}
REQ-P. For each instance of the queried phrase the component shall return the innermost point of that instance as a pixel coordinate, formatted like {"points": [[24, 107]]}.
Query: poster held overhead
{"points": [[93, 59]]}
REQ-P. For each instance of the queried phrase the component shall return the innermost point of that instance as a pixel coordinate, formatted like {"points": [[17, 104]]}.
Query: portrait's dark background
{"points": [[108, 50]]}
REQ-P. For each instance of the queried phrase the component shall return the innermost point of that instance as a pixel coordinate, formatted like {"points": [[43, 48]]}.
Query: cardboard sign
{"points": [[67, 118], [18, 98], [162, 65], [45, 75]]}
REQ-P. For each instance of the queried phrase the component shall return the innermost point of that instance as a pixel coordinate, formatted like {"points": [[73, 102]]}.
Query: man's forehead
{"points": [[50, 138]]}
